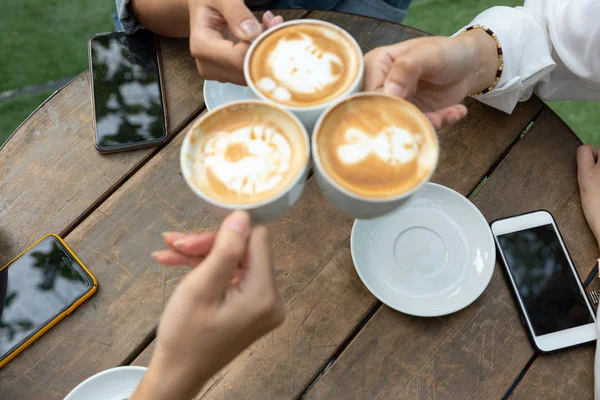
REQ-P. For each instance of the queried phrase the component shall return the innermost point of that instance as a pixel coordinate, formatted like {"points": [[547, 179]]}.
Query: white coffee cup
{"points": [[308, 115], [350, 203], [264, 211]]}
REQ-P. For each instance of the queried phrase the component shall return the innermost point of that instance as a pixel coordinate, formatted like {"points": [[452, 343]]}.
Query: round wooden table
{"points": [[338, 341]]}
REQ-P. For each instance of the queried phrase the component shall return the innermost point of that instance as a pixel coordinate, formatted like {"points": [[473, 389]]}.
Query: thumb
{"points": [[259, 260], [240, 19], [228, 251]]}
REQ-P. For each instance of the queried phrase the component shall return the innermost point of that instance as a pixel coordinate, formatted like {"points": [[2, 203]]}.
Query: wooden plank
{"points": [[479, 351], [88, 173], [51, 171], [568, 374]]}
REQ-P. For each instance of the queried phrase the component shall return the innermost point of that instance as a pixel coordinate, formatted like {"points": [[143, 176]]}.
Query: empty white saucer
{"points": [[217, 93], [112, 384], [432, 256]]}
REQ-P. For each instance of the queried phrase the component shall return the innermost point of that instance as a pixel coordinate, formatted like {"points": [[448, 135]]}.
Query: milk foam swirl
{"points": [[248, 161]]}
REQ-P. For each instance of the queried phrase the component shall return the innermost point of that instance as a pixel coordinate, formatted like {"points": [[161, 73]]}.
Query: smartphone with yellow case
{"points": [[37, 289]]}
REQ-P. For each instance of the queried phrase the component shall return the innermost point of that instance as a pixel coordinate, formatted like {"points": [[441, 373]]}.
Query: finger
{"points": [[240, 19], [586, 156], [170, 237], [276, 21], [259, 279], [229, 249], [447, 116], [194, 244], [267, 18], [409, 67], [171, 257]]}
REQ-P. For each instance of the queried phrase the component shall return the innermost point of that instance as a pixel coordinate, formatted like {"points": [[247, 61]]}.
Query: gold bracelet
{"points": [[500, 56]]}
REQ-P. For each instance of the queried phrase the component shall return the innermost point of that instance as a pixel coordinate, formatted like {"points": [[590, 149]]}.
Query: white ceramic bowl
{"points": [[112, 384]]}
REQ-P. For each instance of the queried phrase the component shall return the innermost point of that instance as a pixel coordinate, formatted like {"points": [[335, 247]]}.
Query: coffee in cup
{"points": [[371, 151], [247, 155], [304, 66]]}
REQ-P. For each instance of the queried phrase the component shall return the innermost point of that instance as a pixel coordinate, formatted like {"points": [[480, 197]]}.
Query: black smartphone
{"points": [[37, 289], [127, 95]]}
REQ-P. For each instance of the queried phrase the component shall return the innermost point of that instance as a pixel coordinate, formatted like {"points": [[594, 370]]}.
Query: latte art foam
{"points": [[248, 161], [304, 64], [376, 146], [393, 145], [246, 153]]}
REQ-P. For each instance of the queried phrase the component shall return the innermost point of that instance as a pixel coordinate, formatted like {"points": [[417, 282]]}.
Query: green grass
{"points": [[443, 17], [47, 39], [581, 116], [44, 40]]}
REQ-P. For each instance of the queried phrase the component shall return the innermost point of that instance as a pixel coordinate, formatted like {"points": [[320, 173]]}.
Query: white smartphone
{"points": [[554, 306]]}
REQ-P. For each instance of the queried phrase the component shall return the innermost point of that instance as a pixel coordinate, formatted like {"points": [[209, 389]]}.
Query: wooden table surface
{"points": [[338, 341]]}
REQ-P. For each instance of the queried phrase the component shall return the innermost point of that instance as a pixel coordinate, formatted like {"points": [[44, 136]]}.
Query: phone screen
{"points": [[127, 93], [35, 288], [545, 281]]}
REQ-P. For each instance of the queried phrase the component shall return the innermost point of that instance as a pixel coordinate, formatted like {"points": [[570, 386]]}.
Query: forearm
{"points": [[164, 17]]}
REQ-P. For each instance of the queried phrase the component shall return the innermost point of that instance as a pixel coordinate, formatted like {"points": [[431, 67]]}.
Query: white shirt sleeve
{"points": [[550, 47]]}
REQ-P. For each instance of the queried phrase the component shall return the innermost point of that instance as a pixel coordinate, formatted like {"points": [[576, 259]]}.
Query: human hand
{"points": [[588, 176], [209, 320], [434, 73], [217, 55]]}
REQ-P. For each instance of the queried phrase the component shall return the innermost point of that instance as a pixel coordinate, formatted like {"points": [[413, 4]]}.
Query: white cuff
{"points": [[527, 55]]}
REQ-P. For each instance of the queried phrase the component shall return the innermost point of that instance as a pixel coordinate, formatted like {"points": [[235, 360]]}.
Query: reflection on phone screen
{"points": [[35, 289], [127, 95], [545, 280]]}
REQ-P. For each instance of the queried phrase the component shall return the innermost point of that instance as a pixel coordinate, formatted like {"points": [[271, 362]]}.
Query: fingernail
{"points": [[155, 254], [278, 20], [250, 28], [393, 88], [453, 118], [167, 234], [269, 15], [238, 221], [180, 243]]}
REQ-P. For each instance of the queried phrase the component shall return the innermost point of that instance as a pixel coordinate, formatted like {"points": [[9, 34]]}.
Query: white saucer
{"points": [[217, 93], [432, 256], [112, 384]]}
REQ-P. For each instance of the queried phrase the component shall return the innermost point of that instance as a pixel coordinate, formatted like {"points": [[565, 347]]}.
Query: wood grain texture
{"points": [[51, 171], [322, 315], [475, 353], [324, 298], [69, 349]]}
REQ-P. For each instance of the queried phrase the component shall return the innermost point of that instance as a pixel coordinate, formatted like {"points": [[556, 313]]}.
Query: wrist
{"points": [[482, 51]]}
